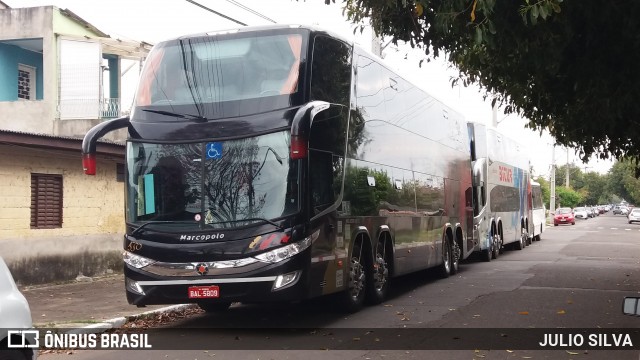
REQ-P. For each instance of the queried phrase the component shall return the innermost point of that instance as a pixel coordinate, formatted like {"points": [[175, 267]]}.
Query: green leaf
{"points": [[491, 27], [534, 11], [534, 18], [478, 35], [543, 11]]}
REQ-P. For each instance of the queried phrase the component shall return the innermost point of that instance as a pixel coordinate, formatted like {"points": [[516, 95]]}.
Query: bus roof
{"points": [[246, 29]]}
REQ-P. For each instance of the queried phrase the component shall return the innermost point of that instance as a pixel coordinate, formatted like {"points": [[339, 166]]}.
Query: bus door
{"points": [[481, 223], [470, 201], [326, 165]]}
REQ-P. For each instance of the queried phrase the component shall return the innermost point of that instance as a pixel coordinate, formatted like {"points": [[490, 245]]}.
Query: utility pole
{"points": [[494, 119], [552, 183], [566, 176]]}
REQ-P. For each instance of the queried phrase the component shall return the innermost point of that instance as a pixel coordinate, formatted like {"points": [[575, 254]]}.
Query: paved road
{"points": [[576, 277]]}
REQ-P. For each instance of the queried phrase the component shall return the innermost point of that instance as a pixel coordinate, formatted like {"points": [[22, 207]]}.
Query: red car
{"points": [[564, 216]]}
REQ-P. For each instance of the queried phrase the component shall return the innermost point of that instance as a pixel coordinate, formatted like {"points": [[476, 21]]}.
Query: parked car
{"points": [[580, 213], [634, 215], [564, 216], [622, 210], [14, 314]]}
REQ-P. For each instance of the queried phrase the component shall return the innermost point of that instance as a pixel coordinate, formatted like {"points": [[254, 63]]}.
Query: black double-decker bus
{"points": [[283, 163]]}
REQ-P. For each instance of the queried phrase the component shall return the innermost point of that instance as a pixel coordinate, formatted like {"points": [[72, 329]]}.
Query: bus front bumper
{"points": [[273, 282]]}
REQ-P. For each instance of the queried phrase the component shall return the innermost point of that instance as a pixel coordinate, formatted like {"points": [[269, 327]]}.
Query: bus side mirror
{"points": [[631, 306], [302, 121], [89, 143]]}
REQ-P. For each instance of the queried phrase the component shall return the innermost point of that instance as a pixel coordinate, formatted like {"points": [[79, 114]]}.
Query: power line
{"points": [[217, 13], [243, 7]]}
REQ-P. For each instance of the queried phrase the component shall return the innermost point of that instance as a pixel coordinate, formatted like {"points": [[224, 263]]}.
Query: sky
{"points": [[156, 20]]}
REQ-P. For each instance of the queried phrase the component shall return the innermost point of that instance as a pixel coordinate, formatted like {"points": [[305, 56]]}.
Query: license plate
{"points": [[204, 292]]}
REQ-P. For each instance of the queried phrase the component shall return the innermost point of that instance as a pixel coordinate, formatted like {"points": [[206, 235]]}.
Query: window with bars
{"points": [[26, 82], [46, 201]]}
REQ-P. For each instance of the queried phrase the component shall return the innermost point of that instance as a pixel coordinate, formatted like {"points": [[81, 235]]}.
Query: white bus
{"points": [[500, 191], [538, 212]]}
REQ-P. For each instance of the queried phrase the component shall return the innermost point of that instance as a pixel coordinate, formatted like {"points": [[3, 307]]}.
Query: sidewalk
{"points": [[78, 304]]}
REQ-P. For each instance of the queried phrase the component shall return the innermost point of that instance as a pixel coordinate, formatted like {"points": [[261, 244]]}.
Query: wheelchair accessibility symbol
{"points": [[214, 150]]}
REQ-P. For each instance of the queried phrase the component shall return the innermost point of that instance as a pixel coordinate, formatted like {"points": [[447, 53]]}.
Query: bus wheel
{"points": [[522, 243], [486, 254], [496, 246], [455, 258], [353, 296], [215, 307], [445, 267], [379, 284]]}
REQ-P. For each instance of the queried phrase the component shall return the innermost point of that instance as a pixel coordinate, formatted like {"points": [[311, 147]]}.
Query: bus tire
{"points": [[378, 284], [486, 254], [352, 298], [445, 267], [521, 244], [455, 257], [500, 240], [215, 307], [496, 246]]}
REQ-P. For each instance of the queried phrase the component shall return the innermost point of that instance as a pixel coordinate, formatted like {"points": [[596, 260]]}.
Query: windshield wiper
{"points": [[141, 226], [265, 220], [178, 115], [249, 219]]}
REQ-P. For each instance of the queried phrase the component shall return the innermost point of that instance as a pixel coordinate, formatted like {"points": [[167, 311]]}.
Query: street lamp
{"points": [[552, 183]]}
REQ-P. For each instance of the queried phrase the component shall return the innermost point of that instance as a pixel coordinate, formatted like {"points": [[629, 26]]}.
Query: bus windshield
{"points": [[196, 76], [211, 184]]}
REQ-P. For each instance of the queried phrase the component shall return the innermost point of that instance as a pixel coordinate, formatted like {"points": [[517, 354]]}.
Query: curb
{"points": [[122, 320]]}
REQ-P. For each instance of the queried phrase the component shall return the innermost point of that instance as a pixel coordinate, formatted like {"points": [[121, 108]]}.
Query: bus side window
{"points": [[326, 160], [330, 71]]}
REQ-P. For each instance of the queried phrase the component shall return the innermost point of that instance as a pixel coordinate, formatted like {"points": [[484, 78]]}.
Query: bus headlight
{"points": [[286, 280], [136, 261], [284, 252], [134, 286]]}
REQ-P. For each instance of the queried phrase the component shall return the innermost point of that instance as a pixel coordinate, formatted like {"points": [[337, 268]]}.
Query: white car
{"points": [[581, 212], [14, 315], [634, 216]]}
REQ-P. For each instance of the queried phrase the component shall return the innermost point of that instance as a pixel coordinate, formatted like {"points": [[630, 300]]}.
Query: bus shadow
{"points": [[321, 312]]}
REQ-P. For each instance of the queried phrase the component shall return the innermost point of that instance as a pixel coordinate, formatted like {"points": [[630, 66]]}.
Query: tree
{"points": [[623, 183], [567, 197], [569, 67], [595, 190], [546, 192], [576, 177]]}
